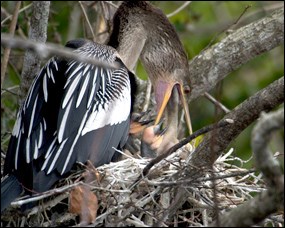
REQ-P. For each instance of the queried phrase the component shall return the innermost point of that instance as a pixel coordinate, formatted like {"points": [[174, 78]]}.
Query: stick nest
{"points": [[124, 202]]}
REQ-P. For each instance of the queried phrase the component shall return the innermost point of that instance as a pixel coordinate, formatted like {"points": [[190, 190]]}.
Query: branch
{"points": [[49, 50], [257, 209], [8, 50], [37, 33], [215, 63], [221, 124], [243, 115]]}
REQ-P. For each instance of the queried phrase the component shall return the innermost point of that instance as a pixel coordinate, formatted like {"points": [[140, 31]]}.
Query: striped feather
{"points": [[74, 112]]}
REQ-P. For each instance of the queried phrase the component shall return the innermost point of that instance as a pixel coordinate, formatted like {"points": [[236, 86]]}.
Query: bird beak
{"points": [[137, 127], [152, 138], [185, 107], [163, 94]]}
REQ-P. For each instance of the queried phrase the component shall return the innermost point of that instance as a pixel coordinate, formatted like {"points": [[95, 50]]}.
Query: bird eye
{"points": [[186, 89]]}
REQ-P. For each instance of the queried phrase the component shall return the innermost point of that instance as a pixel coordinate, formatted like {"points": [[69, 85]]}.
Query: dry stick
{"points": [[29, 199], [48, 50], [198, 180], [217, 103], [228, 27], [179, 9], [179, 145], [10, 16], [87, 20], [7, 50]]}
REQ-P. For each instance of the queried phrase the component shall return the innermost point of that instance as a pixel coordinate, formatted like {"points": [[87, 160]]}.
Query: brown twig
{"points": [[87, 19], [185, 4], [7, 50], [216, 103], [48, 50]]}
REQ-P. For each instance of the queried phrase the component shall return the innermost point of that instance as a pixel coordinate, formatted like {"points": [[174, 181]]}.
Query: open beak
{"points": [[138, 126], [151, 140]]}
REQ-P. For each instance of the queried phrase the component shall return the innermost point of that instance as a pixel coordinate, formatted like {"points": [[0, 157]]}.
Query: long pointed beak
{"points": [[186, 109], [163, 94]]}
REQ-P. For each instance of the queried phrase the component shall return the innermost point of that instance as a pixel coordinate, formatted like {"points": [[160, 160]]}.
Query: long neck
{"points": [[128, 38]]}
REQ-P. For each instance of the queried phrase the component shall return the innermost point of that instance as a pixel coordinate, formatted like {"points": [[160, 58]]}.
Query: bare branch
{"points": [[183, 142], [49, 50], [185, 4], [215, 63], [243, 115], [87, 20], [216, 103], [10, 16], [7, 50], [268, 202]]}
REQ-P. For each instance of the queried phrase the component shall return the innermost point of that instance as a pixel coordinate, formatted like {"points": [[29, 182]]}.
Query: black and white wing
{"points": [[74, 112]]}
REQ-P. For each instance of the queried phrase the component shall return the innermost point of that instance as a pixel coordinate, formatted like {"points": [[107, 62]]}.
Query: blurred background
{"points": [[199, 25]]}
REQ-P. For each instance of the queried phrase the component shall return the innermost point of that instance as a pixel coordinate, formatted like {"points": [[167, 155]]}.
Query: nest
{"points": [[125, 201]]}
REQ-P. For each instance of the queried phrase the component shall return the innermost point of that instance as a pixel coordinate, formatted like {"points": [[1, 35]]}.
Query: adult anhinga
{"points": [[148, 35], [76, 112]]}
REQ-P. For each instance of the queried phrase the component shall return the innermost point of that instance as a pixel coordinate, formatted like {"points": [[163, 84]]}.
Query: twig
{"points": [[228, 27], [179, 145], [45, 194], [48, 50], [197, 180], [10, 16], [7, 49], [217, 103], [179, 9], [87, 19]]}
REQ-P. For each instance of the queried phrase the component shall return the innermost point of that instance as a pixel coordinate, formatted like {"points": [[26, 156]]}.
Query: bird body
{"points": [[155, 41], [74, 112]]}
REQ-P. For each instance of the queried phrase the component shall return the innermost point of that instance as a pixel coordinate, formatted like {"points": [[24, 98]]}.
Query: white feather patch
{"points": [[56, 156], [116, 112], [83, 90], [45, 88], [32, 117], [63, 122]]}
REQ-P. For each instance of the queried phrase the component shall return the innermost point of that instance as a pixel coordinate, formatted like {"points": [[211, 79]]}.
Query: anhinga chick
{"points": [[148, 35]]}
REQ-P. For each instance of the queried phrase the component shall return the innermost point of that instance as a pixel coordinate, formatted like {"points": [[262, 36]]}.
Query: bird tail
{"points": [[11, 188]]}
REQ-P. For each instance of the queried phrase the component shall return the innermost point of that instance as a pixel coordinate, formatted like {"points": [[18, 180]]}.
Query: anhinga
{"points": [[76, 112], [148, 35]]}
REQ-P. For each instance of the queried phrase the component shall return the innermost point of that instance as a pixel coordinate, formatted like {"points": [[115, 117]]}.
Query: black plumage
{"points": [[74, 112]]}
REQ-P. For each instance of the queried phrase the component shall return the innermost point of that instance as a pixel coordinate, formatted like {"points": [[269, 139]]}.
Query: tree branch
{"points": [[207, 152], [268, 202], [243, 115], [49, 49], [214, 64]]}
